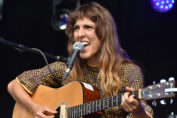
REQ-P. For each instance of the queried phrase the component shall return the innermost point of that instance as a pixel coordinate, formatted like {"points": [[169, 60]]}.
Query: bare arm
{"points": [[24, 99]]}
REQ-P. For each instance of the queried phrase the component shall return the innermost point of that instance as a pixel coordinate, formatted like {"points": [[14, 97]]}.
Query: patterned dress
{"points": [[130, 76]]}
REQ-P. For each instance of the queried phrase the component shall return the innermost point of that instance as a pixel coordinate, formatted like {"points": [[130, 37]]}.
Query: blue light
{"points": [[157, 3], [170, 5], [163, 5], [166, 7]]}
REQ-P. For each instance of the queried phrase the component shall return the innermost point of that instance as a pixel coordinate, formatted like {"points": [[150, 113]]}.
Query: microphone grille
{"points": [[78, 46]]}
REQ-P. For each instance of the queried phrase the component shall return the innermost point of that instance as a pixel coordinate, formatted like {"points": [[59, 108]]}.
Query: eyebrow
{"points": [[85, 25]]}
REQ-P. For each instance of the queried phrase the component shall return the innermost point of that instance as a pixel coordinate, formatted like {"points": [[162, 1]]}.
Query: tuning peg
{"points": [[153, 82], [171, 101], [163, 81], [154, 103], [171, 78], [163, 102], [172, 115]]}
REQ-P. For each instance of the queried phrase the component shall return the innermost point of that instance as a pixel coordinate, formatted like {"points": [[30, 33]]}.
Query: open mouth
{"points": [[86, 44]]}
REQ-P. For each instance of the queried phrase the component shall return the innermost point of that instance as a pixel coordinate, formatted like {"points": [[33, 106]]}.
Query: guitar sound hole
{"points": [[58, 114]]}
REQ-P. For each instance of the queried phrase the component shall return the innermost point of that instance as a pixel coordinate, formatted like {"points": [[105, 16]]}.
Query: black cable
{"points": [[45, 59]]}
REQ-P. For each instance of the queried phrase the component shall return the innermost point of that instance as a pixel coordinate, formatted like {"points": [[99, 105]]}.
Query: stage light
{"points": [[59, 19], [162, 5], [61, 11]]}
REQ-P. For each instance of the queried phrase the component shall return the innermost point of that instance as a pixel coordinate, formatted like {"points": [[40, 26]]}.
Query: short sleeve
{"points": [[32, 78]]}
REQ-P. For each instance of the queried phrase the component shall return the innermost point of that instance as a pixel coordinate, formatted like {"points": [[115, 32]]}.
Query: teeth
{"points": [[85, 43]]}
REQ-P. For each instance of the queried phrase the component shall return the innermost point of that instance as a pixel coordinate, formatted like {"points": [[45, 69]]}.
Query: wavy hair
{"points": [[111, 55]]}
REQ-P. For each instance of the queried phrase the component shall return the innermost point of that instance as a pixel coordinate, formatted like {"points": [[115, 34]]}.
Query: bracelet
{"points": [[140, 111]]}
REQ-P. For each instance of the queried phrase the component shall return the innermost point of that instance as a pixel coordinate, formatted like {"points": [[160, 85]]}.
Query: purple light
{"points": [[163, 5]]}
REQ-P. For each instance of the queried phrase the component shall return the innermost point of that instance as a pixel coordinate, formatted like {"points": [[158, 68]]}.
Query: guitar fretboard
{"points": [[97, 105]]}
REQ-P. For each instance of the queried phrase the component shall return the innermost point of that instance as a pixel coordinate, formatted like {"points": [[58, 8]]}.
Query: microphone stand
{"points": [[27, 49], [37, 51]]}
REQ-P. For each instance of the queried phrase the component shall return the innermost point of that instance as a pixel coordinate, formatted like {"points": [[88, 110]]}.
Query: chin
{"points": [[84, 56]]}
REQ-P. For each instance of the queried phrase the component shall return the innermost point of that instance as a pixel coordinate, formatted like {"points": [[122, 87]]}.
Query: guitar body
{"points": [[81, 99], [72, 94]]}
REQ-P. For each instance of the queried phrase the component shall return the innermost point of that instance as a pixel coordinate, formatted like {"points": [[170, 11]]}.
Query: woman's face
{"points": [[84, 31]]}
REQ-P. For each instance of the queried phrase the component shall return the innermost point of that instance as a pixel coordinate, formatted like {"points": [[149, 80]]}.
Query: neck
{"points": [[92, 62]]}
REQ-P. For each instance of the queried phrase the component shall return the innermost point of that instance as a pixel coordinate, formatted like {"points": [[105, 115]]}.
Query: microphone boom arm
{"points": [[27, 49]]}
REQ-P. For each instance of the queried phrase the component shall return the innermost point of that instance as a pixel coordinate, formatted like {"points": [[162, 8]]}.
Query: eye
{"points": [[88, 27], [76, 27]]}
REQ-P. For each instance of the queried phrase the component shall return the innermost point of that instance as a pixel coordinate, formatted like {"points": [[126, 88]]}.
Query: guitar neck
{"points": [[97, 105]]}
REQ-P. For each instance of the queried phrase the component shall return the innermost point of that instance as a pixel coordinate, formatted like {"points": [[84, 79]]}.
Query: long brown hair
{"points": [[111, 55]]}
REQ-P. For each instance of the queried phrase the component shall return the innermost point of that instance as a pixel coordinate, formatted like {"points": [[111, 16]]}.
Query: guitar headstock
{"points": [[157, 91]]}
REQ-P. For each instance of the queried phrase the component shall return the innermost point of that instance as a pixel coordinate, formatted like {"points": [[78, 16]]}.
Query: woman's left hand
{"points": [[129, 103]]}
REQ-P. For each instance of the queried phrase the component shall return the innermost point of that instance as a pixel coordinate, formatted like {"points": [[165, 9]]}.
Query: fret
{"points": [[103, 103], [99, 105], [96, 105], [120, 99], [107, 101], [88, 108], [84, 109], [116, 100], [80, 110], [78, 113], [110, 102], [74, 112], [95, 108], [69, 116], [70, 112], [92, 108]]}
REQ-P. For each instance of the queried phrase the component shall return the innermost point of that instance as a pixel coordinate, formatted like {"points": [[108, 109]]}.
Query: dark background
{"points": [[148, 36]]}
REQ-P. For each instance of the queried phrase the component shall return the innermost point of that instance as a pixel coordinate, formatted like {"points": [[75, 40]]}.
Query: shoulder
{"points": [[58, 64], [131, 74], [130, 67]]}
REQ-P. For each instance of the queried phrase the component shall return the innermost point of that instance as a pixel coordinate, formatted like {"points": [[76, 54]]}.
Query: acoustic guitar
{"points": [[77, 99]]}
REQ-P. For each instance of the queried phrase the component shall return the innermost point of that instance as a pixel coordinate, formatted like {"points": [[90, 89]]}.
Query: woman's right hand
{"points": [[43, 112]]}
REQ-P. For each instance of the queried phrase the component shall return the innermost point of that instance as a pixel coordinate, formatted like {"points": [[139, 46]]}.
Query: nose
{"points": [[81, 33]]}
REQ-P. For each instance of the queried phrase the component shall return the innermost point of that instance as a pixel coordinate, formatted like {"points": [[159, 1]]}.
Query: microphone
{"points": [[33, 50], [77, 48]]}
